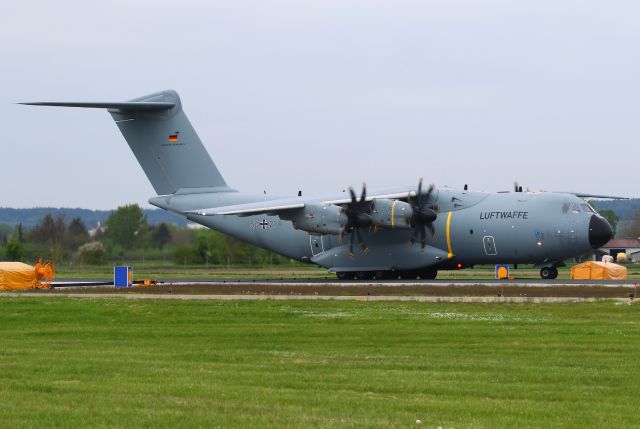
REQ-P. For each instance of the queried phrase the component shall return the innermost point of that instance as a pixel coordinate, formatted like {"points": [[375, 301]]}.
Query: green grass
{"points": [[137, 363]]}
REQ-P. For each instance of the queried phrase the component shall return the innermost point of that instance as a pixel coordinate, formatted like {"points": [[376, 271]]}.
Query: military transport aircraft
{"points": [[405, 232]]}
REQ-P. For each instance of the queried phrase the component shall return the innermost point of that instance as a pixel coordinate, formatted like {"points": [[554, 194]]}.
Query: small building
{"points": [[98, 229], [631, 247]]}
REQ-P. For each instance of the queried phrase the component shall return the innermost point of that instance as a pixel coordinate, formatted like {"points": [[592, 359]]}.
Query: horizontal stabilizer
{"points": [[123, 105]]}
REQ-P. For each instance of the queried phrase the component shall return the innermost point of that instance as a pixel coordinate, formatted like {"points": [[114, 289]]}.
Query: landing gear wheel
{"points": [[409, 275], [548, 273], [428, 273], [364, 275], [345, 275], [384, 275]]}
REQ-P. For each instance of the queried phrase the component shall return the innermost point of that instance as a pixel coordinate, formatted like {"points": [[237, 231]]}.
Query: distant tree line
{"points": [[127, 236]]}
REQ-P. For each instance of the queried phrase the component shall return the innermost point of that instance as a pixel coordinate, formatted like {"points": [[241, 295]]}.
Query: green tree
{"points": [[633, 231], [50, 231], [20, 232], [127, 227], [160, 235], [186, 254], [212, 246], [612, 218], [76, 234], [14, 250]]}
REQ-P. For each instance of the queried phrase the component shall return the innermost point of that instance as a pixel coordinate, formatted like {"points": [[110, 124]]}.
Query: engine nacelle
{"points": [[319, 219], [391, 213]]}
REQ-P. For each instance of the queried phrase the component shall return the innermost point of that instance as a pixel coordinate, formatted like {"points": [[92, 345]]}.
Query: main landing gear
{"points": [[548, 272], [425, 274]]}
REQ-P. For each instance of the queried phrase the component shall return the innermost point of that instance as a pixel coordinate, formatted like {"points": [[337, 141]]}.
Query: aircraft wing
{"points": [[279, 205], [605, 197], [248, 209], [125, 105]]}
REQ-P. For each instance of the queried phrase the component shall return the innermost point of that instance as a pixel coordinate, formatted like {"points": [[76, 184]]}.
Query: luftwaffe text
{"points": [[504, 215]]}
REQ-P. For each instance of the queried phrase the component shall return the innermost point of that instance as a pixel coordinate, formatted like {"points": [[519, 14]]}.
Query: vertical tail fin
{"points": [[164, 142], [167, 147]]}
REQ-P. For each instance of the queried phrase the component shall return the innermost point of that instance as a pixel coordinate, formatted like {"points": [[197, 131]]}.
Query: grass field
{"points": [[137, 363]]}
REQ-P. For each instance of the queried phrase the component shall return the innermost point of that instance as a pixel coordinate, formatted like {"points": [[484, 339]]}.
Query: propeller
{"points": [[422, 216], [516, 187], [357, 212]]}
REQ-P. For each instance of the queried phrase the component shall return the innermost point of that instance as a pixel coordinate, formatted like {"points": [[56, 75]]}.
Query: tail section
{"points": [[164, 142]]}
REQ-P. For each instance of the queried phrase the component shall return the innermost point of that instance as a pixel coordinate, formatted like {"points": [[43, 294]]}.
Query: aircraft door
{"points": [[317, 245], [489, 245]]}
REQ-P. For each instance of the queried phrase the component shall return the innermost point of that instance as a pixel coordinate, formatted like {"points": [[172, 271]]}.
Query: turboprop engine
{"points": [[319, 219], [391, 213]]}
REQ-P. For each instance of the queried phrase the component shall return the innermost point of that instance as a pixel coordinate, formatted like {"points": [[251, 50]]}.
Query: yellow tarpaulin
{"points": [[598, 271], [17, 276]]}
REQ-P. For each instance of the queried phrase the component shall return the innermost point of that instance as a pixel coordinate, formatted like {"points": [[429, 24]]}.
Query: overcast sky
{"points": [[319, 95]]}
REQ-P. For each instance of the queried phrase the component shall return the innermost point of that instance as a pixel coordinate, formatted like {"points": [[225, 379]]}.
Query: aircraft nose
{"points": [[600, 231]]}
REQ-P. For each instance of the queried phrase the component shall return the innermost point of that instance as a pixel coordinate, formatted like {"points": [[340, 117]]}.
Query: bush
{"points": [[186, 255], [92, 253]]}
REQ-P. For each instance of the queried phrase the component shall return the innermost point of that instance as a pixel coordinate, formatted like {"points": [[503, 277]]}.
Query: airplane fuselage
{"points": [[471, 228]]}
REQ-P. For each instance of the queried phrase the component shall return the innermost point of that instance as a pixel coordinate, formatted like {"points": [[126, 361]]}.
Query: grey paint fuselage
{"points": [[483, 228]]}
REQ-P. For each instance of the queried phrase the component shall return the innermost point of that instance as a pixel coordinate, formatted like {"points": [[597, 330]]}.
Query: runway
{"points": [[428, 290], [335, 282]]}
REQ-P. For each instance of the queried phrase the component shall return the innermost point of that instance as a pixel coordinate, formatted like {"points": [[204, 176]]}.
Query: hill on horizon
{"points": [[32, 216]]}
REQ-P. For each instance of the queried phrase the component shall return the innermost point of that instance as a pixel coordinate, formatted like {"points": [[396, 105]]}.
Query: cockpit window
{"points": [[577, 208], [586, 207]]}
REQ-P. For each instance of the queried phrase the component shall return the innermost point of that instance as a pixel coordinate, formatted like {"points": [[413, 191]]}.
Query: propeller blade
{"points": [[423, 237], [363, 246], [363, 196], [412, 239], [431, 188], [353, 195], [432, 230], [351, 244]]}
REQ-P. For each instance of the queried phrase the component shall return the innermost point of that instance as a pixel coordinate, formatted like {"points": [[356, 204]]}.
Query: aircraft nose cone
{"points": [[600, 231]]}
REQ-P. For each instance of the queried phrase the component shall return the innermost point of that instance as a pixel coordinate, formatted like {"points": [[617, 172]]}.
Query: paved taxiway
{"points": [[335, 282], [528, 290]]}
